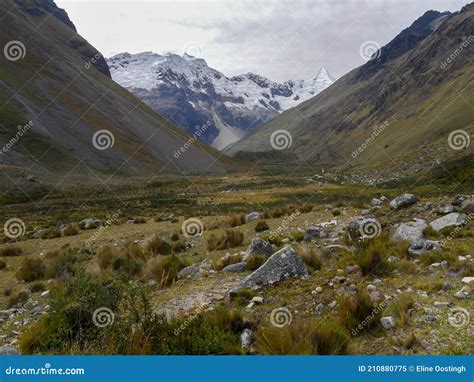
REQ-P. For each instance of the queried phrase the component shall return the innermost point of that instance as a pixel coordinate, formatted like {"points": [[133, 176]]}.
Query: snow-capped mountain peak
{"points": [[189, 92]]}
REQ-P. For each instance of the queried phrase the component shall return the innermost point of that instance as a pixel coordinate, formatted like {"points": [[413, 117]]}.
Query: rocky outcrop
{"points": [[258, 246], [411, 231], [451, 220], [282, 264], [402, 201]]}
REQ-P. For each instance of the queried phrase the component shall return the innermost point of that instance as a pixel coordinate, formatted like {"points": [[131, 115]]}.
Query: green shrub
{"points": [[243, 296], [38, 286], [179, 247], [33, 268], [261, 226], [336, 212], [175, 237], [297, 236], [3, 264]]}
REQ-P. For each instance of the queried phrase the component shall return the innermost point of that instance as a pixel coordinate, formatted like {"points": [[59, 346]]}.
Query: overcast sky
{"points": [[276, 38]]}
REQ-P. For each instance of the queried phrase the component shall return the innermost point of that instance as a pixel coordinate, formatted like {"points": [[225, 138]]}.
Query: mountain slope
{"points": [[190, 93], [56, 86], [394, 112]]}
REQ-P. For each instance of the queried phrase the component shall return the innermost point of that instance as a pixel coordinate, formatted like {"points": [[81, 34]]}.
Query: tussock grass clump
{"points": [[163, 269], [236, 219], [261, 226], [401, 308], [358, 312], [50, 233], [139, 220], [256, 260], [223, 262], [71, 229], [231, 239], [371, 257], [11, 250], [335, 212], [406, 267], [18, 299], [300, 338], [430, 233], [431, 257], [243, 296], [155, 245], [38, 286], [107, 255], [175, 237], [297, 236], [311, 258], [32, 269], [306, 208], [3, 264]]}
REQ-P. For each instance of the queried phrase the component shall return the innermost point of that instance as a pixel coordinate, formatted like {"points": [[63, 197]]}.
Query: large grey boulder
{"points": [[402, 201], [282, 264], [238, 267], [411, 231], [376, 202], [451, 220], [258, 246]]}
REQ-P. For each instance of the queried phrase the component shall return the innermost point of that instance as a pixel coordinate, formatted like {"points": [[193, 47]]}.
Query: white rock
{"points": [[468, 280], [387, 322]]}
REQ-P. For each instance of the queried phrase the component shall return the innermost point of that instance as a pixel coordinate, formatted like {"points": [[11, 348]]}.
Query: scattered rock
{"points": [[376, 202], [430, 319], [352, 269], [247, 338], [447, 210], [438, 304], [422, 246], [258, 246], [90, 223], [376, 296], [257, 300], [464, 293], [468, 280], [371, 288], [387, 322], [319, 308], [237, 267], [31, 178], [319, 290], [45, 293], [459, 199], [358, 226], [8, 350], [313, 232], [282, 264], [453, 219], [252, 216], [411, 231], [402, 201]]}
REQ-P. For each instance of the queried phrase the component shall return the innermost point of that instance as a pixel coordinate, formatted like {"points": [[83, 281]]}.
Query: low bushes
{"points": [[303, 339], [231, 239], [11, 250]]}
